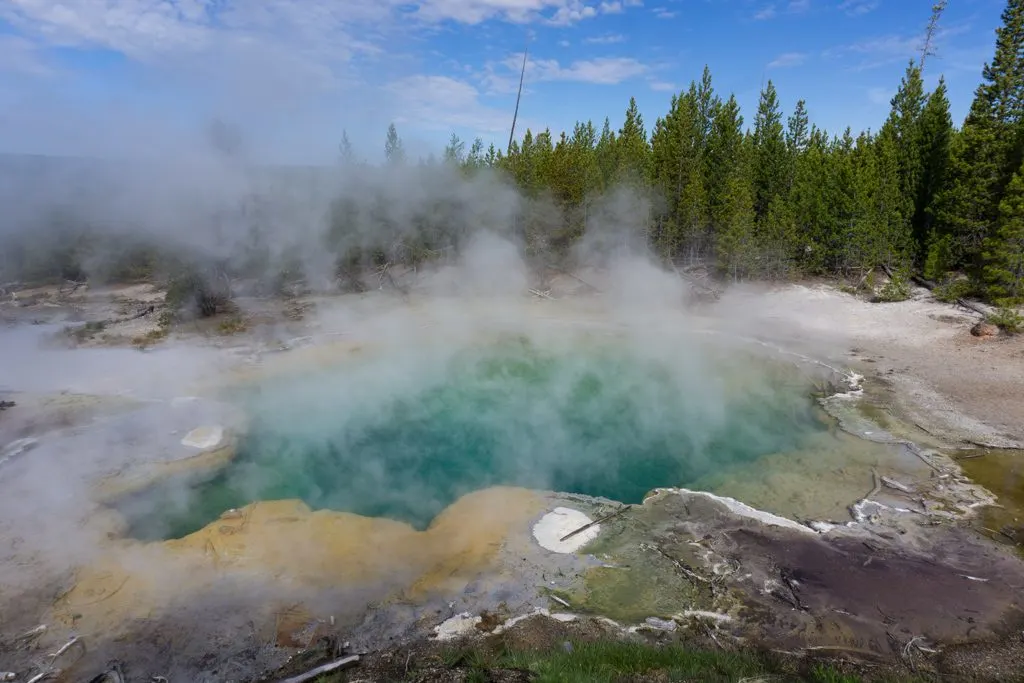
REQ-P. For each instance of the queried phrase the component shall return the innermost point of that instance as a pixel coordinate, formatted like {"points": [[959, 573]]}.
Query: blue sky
{"points": [[145, 76]]}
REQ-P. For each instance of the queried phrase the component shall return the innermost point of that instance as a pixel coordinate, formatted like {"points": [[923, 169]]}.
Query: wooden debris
{"points": [[693, 576], [595, 522], [69, 287], [788, 581], [916, 450], [338, 665], [972, 307], [893, 484], [44, 676], [32, 634], [560, 601]]}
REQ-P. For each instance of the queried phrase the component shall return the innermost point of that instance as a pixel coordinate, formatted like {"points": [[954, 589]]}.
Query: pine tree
{"points": [[902, 130], [770, 156], [632, 147], [454, 150], [797, 131], [394, 152], [607, 151], [935, 137], [722, 158], [474, 160], [1004, 250], [676, 168], [735, 248], [809, 200], [346, 155], [987, 152], [707, 104]]}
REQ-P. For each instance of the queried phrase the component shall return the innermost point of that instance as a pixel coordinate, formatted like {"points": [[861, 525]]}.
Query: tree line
{"points": [[783, 198]]}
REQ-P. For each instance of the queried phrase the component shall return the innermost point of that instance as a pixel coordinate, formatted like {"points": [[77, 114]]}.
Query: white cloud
{"points": [[504, 77], [602, 70], [855, 8], [664, 13], [771, 11], [607, 39], [662, 86], [442, 103], [889, 49], [336, 29], [787, 59]]}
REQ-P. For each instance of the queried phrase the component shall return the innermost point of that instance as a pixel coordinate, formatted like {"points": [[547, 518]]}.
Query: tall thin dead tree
{"points": [[519, 95], [928, 49]]}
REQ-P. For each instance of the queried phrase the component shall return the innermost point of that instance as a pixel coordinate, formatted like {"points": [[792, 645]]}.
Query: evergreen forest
{"points": [[774, 197], [782, 198]]}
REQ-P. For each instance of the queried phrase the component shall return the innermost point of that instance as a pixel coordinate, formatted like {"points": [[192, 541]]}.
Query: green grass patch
{"points": [[612, 661]]}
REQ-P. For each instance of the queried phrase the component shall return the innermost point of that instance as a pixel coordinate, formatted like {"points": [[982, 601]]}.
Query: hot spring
{"points": [[403, 435]]}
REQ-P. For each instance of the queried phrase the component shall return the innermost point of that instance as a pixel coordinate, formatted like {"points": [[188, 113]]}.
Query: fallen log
{"points": [[927, 284], [338, 665], [595, 522], [974, 307]]}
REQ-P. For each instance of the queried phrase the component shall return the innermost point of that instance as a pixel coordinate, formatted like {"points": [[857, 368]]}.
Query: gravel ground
{"points": [[952, 384]]}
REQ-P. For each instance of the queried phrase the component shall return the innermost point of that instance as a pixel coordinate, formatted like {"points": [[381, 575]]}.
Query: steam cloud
{"points": [[257, 221]]}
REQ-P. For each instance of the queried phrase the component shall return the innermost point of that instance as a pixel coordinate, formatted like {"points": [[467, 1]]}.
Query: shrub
{"points": [[953, 288], [1007, 319], [202, 295], [896, 289]]}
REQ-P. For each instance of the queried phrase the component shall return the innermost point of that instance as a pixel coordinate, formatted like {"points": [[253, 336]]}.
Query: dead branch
{"points": [[893, 484], [916, 450], [927, 284], [31, 634], [693, 282], [72, 284], [338, 665], [864, 279], [560, 601], [788, 581], [973, 307], [596, 522], [877, 486], [693, 576], [971, 456], [542, 295]]}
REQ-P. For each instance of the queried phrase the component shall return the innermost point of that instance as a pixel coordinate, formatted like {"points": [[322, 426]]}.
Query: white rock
{"points": [[204, 438], [456, 626], [660, 624], [560, 522]]}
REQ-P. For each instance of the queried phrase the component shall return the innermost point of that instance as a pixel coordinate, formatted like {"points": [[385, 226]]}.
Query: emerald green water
{"points": [[405, 438]]}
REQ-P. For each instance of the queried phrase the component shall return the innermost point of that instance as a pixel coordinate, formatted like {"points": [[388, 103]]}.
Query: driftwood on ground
{"points": [[972, 306], [312, 674]]}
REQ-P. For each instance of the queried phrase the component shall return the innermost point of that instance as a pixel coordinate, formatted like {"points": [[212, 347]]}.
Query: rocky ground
{"points": [[905, 583]]}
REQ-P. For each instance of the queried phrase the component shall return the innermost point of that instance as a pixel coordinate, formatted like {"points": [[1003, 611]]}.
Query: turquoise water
{"points": [[405, 439]]}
